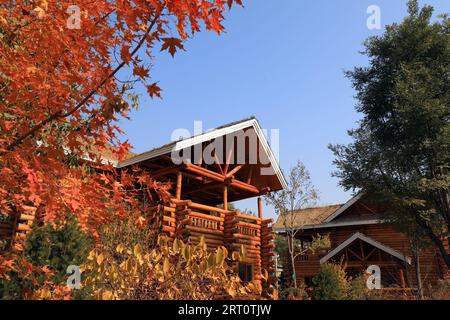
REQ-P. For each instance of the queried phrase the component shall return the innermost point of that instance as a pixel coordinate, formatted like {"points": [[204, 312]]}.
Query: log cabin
{"points": [[206, 173], [360, 236]]}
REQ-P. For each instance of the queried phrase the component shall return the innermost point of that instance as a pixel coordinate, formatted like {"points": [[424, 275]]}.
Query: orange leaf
{"points": [[172, 45], [154, 90]]}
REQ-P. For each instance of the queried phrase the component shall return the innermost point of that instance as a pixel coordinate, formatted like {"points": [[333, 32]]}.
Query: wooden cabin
{"points": [[360, 237], [206, 173]]}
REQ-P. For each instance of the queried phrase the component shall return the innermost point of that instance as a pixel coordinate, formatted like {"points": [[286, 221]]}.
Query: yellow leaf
{"points": [[91, 255], [235, 255], [275, 294], [265, 275], [211, 260], [120, 248], [175, 246], [128, 265], [203, 266], [107, 295], [219, 256], [137, 250], [231, 291], [45, 294], [187, 253], [166, 266], [100, 259]]}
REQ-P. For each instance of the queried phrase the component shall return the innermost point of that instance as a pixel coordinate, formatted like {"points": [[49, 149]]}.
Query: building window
{"points": [[246, 272]]}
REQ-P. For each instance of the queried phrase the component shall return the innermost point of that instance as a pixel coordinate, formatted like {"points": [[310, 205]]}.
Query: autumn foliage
{"points": [[169, 271], [60, 99]]}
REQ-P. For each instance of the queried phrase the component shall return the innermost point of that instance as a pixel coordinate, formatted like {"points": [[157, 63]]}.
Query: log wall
{"points": [[189, 221], [432, 266]]}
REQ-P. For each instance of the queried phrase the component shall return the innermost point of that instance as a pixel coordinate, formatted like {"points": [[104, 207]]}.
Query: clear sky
{"points": [[279, 60]]}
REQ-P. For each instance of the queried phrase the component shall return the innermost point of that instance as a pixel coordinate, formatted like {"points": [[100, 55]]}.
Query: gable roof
{"points": [[210, 135], [342, 209], [368, 240], [326, 217], [307, 217]]}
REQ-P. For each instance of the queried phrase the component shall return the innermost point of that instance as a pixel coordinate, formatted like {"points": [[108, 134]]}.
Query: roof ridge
{"points": [[319, 207], [193, 136]]}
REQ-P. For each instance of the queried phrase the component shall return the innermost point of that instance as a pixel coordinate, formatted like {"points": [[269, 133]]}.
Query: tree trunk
{"points": [[418, 276], [292, 256]]}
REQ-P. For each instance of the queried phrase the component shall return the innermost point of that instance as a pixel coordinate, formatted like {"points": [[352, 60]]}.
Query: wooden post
{"points": [[179, 180], [402, 278], [260, 214], [225, 197]]}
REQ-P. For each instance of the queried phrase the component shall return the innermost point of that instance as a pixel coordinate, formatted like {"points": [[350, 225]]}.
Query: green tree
{"points": [[55, 246], [331, 283], [58, 246], [401, 149]]}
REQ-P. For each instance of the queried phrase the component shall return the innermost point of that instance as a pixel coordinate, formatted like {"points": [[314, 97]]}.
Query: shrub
{"points": [[358, 289], [48, 251], [168, 271], [292, 293], [331, 283], [57, 246], [441, 291], [131, 261]]}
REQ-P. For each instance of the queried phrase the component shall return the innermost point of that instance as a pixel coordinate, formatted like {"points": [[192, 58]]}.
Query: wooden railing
{"points": [[204, 221], [248, 229], [196, 217], [303, 257], [190, 221]]}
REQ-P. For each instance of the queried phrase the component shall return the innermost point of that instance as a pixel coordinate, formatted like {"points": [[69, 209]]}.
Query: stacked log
{"points": [[192, 225], [182, 212], [15, 230], [251, 241], [267, 249], [230, 228]]}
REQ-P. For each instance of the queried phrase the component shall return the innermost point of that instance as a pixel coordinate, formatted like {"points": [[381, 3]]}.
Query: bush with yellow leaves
{"points": [[169, 270]]}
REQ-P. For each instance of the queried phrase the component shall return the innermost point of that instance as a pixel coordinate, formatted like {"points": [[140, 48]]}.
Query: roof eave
{"points": [[180, 145]]}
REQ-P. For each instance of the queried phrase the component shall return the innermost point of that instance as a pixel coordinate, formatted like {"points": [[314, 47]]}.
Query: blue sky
{"points": [[279, 60]]}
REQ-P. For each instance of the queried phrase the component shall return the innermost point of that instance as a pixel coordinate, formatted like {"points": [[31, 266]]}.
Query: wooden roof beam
{"points": [[165, 171], [236, 169], [217, 177]]}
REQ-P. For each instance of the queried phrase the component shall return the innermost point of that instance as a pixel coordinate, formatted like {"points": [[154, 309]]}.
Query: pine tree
{"points": [[53, 245], [401, 150], [58, 246]]}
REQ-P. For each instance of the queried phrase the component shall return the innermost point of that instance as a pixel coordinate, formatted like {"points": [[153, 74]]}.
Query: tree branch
{"points": [[60, 114]]}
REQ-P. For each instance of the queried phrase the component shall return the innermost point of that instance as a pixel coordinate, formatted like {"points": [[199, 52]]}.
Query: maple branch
{"points": [[60, 114]]}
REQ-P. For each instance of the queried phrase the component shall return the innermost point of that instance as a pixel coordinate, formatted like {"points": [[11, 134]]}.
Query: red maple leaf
{"points": [[172, 45]]}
